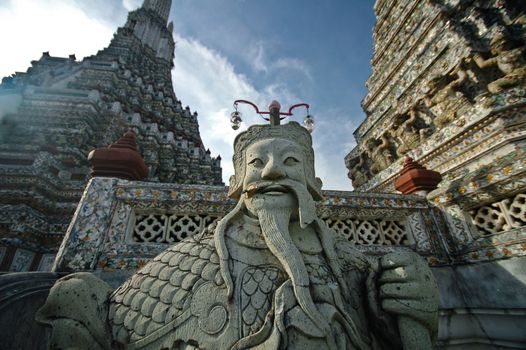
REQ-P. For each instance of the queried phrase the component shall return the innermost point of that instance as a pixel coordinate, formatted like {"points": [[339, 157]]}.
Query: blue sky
{"points": [[313, 51]]}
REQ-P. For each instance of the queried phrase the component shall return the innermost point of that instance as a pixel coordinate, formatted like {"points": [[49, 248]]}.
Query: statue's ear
{"points": [[315, 188], [318, 184], [234, 188]]}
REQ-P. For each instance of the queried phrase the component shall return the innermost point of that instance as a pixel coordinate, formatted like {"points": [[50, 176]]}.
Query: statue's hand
{"points": [[407, 288]]}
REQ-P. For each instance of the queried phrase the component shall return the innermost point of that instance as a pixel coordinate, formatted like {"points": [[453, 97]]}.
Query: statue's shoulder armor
{"points": [[162, 290]]}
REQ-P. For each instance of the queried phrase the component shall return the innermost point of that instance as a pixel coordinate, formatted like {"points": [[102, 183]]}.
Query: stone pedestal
{"points": [[416, 179]]}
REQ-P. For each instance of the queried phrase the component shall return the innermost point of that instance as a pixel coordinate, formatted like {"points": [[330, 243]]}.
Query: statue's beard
{"points": [[274, 217], [297, 201]]}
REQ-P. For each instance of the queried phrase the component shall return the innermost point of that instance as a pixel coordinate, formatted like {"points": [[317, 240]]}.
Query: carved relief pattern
{"points": [[180, 225], [394, 232], [517, 209], [384, 232], [501, 216], [418, 230], [480, 125], [458, 225], [150, 228], [475, 50], [161, 228], [368, 232], [161, 291], [21, 261]]}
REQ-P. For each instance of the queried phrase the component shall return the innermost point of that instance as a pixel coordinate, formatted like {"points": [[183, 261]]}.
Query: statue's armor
{"points": [[180, 300]]}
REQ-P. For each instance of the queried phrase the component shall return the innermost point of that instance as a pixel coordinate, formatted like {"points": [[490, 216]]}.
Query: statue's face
{"points": [[273, 162]]}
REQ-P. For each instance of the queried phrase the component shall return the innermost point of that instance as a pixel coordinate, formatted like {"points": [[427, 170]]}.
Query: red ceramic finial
{"points": [[128, 140], [415, 178], [121, 159]]}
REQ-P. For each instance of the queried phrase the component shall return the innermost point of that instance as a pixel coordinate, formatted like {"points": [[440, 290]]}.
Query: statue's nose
{"points": [[272, 171]]}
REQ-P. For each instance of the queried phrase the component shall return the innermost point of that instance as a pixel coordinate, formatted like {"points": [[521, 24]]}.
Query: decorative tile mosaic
{"points": [[21, 260], [504, 176], [453, 145], [46, 263]]}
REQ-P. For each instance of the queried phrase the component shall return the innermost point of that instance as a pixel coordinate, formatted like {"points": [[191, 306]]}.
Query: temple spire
{"points": [[161, 7]]}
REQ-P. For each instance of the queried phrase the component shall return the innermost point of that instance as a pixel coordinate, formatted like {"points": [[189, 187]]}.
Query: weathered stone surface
{"points": [[482, 305], [76, 308]]}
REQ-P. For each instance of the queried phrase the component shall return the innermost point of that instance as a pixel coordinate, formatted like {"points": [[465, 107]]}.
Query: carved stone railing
{"points": [[503, 215], [119, 225], [172, 228]]}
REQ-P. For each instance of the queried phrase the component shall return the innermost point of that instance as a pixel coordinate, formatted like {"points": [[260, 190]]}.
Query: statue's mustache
{"points": [[283, 185], [307, 210]]}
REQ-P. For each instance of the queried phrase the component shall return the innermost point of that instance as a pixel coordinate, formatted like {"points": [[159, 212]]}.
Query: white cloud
{"points": [[131, 5], [259, 62], [31, 27], [207, 82], [257, 59], [292, 64], [330, 128]]}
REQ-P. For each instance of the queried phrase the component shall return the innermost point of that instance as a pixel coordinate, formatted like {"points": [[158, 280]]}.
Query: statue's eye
{"points": [[256, 162], [291, 161]]}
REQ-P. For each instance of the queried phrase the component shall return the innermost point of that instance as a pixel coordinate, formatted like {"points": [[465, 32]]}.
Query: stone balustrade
{"points": [[119, 225]]}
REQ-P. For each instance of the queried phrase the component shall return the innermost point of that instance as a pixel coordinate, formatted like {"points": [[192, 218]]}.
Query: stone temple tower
{"points": [[448, 89], [54, 114]]}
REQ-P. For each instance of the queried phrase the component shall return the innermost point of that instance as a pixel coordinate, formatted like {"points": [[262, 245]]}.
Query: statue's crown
{"points": [[292, 131]]}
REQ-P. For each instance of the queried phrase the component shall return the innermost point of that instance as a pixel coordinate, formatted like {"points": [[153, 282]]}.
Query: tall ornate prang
{"points": [[58, 111], [160, 7]]}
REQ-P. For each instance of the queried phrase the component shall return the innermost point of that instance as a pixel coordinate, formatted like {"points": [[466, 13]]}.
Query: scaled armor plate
{"points": [[165, 293]]}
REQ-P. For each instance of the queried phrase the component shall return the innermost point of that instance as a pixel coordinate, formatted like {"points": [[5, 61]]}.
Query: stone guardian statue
{"points": [[270, 275]]}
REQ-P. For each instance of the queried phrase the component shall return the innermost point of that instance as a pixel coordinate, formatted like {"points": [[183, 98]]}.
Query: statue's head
{"points": [[371, 144], [398, 121], [276, 154], [500, 42]]}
